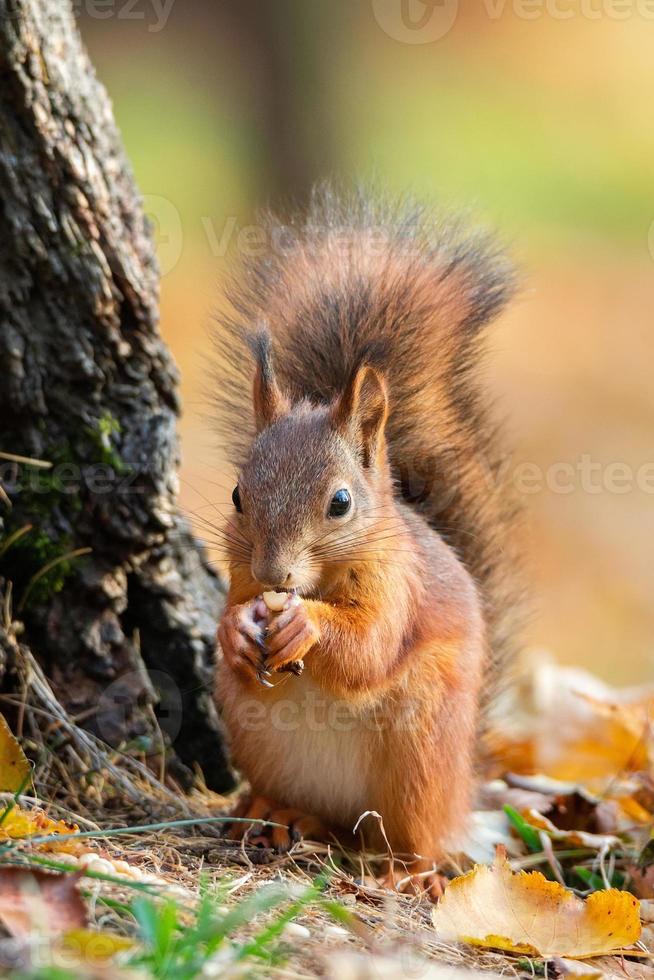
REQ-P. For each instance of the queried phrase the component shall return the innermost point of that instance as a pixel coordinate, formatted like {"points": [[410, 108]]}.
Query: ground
{"points": [[106, 871]]}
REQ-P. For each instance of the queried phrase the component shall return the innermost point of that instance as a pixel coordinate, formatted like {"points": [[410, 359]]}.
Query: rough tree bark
{"points": [[87, 384]]}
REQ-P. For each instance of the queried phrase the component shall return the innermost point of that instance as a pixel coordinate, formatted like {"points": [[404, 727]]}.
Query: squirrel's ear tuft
{"points": [[270, 403], [360, 413]]}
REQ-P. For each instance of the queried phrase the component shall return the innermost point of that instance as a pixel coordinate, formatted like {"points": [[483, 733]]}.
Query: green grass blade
{"points": [[528, 833]]}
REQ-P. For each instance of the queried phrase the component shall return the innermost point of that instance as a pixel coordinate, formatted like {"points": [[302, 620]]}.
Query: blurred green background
{"points": [[535, 115]]}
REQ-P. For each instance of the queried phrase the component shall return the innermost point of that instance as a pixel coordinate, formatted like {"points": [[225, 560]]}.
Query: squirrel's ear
{"points": [[270, 403], [360, 413]]}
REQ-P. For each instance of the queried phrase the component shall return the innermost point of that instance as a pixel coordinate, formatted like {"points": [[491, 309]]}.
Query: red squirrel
{"points": [[370, 489]]}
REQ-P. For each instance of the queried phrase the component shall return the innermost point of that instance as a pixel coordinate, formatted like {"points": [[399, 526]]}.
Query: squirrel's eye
{"points": [[236, 500], [341, 502]]}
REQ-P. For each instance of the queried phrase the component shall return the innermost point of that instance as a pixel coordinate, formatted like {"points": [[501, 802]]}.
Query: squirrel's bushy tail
{"points": [[357, 279]]}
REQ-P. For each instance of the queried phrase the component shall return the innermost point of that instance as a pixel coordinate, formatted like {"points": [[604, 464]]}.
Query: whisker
{"points": [[207, 523], [354, 541], [227, 531], [209, 503], [230, 551], [341, 556], [225, 534], [227, 485], [351, 560], [217, 483], [359, 533]]}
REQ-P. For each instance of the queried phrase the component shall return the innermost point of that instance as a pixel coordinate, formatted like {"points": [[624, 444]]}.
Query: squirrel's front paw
{"points": [[291, 635], [240, 635]]}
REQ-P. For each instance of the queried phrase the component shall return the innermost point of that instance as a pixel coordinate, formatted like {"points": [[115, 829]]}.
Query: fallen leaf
{"points": [[613, 968], [647, 911], [571, 726], [495, 794], [574, 838], [575, 969], [94, 944], [606, 967], [23, 823], [635, 810], [642, 881], [14, 766], [622, 803], [525, 913], [647, 918], [35, 901]]}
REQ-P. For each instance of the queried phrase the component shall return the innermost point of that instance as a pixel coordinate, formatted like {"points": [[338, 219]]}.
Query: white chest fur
{"points": [[304, 748]]}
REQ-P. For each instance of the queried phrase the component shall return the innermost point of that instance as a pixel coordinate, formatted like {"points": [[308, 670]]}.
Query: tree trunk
{"points": [[87, 384]]}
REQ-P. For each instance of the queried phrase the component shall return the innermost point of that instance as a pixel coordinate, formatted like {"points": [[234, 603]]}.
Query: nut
{"points": [[275, 600]]}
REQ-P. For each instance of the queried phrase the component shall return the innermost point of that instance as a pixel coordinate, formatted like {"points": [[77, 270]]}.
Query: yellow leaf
{"points": [[571, 726], [14, 767], [92, 944], [525, 913], [634, 810], [20, 823]]}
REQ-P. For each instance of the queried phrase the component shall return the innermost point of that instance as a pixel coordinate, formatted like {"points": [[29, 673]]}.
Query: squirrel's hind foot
{"points": [[294, 825], [410, 880]]}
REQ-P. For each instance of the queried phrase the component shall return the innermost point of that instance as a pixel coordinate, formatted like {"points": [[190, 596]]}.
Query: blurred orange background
{"points": [[535, 115]]}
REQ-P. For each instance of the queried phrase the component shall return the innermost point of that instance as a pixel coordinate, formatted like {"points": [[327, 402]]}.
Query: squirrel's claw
{"points": [[241, 640], [291, 636], [273, 826], [261, 677]]}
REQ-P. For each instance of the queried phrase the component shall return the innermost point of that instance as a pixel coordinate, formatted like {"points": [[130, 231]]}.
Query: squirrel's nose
{"points": [[271, 575]]}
